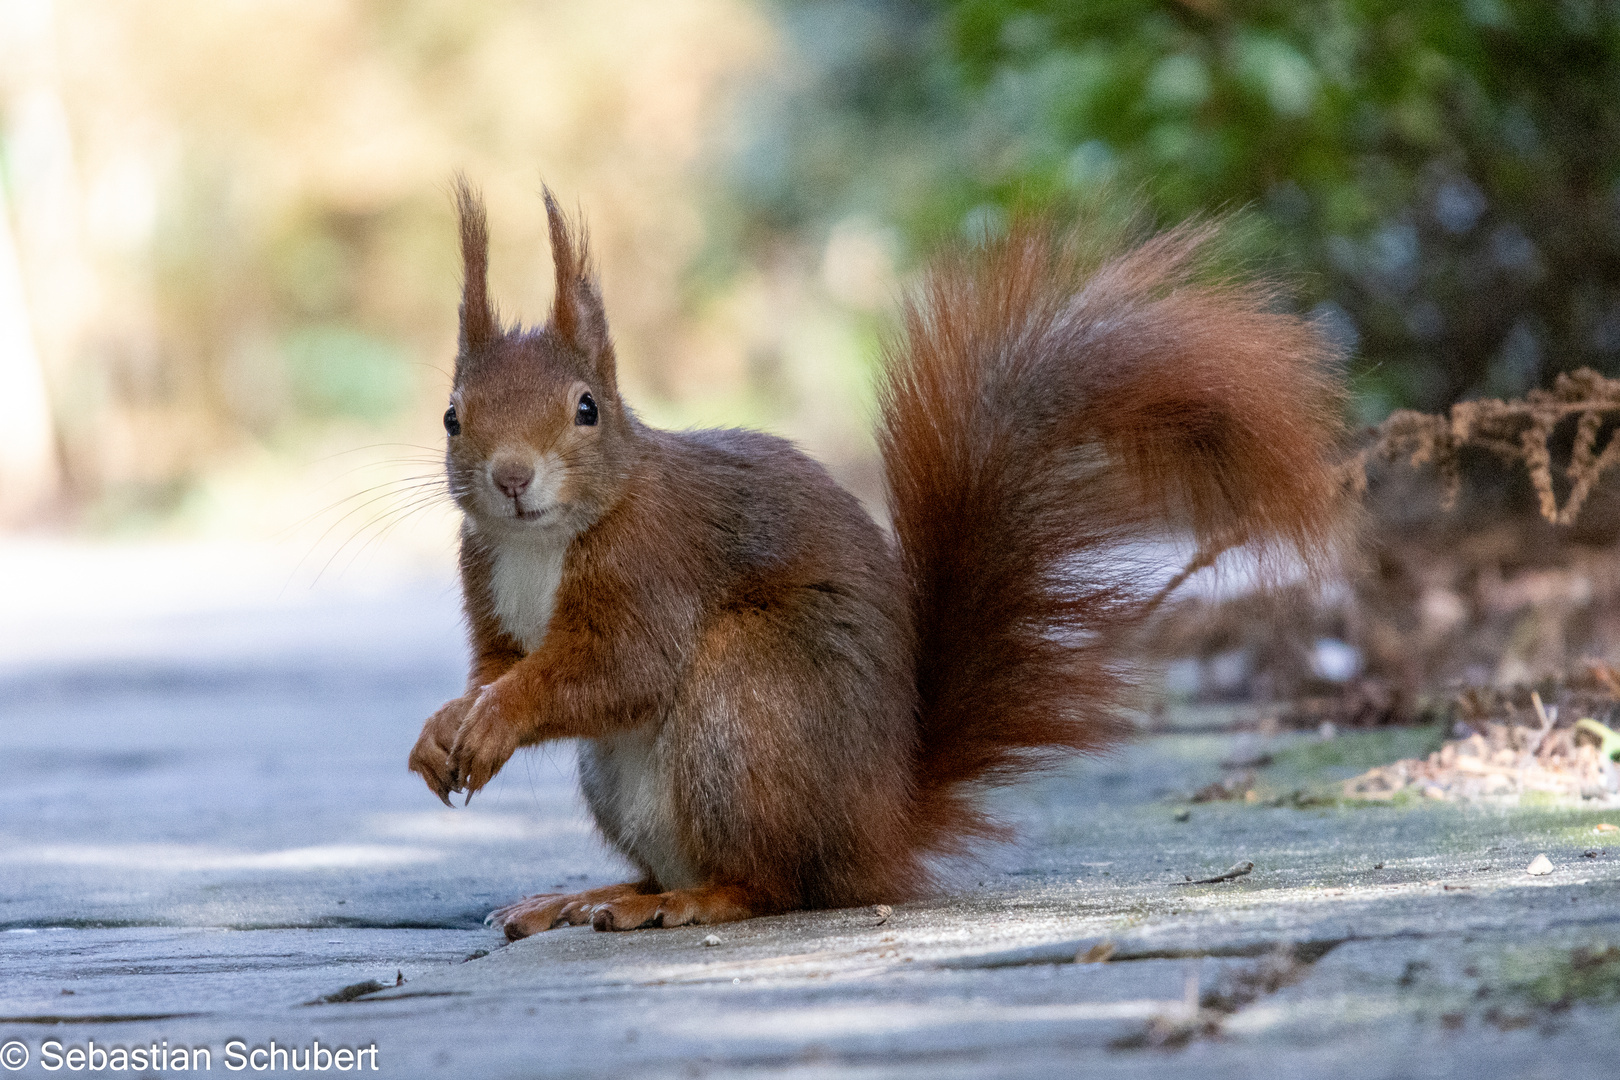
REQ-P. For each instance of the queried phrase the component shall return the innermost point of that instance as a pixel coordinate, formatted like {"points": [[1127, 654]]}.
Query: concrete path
{"points": [[207, 825]]}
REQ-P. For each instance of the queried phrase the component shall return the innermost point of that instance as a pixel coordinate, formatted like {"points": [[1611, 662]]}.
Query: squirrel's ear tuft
{"points": [[479, 325], [577, 315]]}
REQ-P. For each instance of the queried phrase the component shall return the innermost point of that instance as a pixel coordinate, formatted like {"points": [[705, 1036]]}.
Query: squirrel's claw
{"points": [[484, 743], [432, 759]]}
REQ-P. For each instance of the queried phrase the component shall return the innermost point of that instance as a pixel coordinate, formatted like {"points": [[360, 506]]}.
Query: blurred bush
{"points": [[1443, 177]]}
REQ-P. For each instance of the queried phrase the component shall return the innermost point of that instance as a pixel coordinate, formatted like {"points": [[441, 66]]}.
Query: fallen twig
{"points": [[1232, 874]]}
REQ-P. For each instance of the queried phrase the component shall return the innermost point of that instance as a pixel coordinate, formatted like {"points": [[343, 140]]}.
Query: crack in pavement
{"points": [[99, 1018]]}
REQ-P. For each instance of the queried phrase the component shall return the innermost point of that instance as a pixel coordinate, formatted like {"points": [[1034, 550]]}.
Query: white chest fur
{"points": [[523, 585]]}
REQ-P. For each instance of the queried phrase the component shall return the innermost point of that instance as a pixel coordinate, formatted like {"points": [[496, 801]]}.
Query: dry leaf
{"points": [[1097, 954]]}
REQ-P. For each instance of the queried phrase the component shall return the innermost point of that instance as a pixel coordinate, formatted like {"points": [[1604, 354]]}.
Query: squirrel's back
{"points": [[783, 755]]}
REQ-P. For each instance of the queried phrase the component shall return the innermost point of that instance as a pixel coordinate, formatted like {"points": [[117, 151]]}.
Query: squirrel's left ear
{"points": [[577, 315]]}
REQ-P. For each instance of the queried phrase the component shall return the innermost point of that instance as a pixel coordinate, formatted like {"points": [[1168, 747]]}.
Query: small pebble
{"points": [[712, 939], [1183, 815], [1539, 866]]}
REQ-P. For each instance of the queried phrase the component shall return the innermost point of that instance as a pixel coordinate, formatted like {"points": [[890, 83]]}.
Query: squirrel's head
{"points": [[537, 436]]}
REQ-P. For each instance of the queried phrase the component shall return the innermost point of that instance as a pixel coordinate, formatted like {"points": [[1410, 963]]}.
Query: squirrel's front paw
{"points": [[488, 736], [431, 757]]}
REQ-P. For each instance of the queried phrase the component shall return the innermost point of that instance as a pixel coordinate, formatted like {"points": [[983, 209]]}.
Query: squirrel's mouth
{"points": [[530, 515]]}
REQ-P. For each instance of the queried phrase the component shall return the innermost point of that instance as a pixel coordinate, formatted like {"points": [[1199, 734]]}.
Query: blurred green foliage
{"points": [[336, 370], [1442, 178]]}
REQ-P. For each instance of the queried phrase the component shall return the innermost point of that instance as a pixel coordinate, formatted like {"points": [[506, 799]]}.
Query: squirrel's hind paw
{"points": [[547, 911], [681, 907]]}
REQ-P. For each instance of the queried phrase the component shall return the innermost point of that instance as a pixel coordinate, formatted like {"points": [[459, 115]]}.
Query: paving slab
{"points": [[197, 843]]}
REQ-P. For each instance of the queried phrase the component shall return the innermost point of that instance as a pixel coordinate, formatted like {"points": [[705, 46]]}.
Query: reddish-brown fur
{"points": [[1046, 407], [781, 707]]}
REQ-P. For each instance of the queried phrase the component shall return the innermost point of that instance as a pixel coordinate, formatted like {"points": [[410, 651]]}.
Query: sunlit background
{"points": [[228, 279]]}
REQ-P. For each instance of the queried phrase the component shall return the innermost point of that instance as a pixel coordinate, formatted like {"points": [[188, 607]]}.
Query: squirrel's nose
{"points": [[512, 477]]}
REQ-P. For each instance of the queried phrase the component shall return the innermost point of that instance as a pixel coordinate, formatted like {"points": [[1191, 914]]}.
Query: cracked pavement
{"points": [[209, 825]]}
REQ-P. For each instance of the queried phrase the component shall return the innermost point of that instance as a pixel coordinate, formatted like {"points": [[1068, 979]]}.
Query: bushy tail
{"points": [[1046, 408]]}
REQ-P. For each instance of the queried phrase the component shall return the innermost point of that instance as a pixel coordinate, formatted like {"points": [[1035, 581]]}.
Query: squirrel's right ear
{"points": [[577, 314], [479, 325]]}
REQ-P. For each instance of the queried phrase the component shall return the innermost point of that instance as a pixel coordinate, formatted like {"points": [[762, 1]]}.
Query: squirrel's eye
{"points": [[586, 413], [451, 423]]}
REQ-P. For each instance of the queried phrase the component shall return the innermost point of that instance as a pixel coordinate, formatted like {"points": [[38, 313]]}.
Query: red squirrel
{"points": [[779, 705]]}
